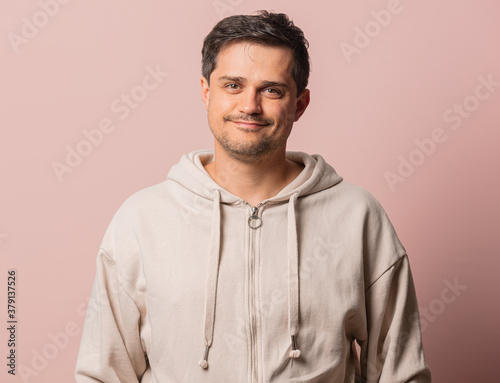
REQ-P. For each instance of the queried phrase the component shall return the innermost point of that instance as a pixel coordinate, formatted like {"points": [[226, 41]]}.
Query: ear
{"points": [[205, 91], [302, 103]]}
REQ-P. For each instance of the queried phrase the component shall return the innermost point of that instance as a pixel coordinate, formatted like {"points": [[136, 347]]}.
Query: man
{"points": [[262, 261]]}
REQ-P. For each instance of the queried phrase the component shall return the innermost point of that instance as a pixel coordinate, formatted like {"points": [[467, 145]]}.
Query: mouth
{"points": [[249, 125]]}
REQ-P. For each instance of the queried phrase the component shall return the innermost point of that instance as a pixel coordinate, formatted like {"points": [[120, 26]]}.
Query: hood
{"points": [[316, 176]]}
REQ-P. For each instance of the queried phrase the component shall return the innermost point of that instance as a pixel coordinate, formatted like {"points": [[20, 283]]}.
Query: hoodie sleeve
{"points": [[110, 350], [393, 351]]}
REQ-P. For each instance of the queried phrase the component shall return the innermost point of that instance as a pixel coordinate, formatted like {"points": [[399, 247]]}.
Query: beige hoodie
{"points": [[274, 293]]}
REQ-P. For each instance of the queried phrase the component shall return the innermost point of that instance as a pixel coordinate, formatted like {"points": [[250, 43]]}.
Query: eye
{"points": [[232, 86], [273, 92]]}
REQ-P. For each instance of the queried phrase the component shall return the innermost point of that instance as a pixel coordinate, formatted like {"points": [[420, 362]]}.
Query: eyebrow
{"points": [[243, 80]]}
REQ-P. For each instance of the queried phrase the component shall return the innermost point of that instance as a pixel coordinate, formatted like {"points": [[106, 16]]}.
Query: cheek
{"points": [[216, 113], [213, 109], [219, 107], [220, 100], [286, 115]]}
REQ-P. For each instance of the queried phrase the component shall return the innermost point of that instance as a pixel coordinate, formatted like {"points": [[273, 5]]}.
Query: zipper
{"points": [[254, 222]]}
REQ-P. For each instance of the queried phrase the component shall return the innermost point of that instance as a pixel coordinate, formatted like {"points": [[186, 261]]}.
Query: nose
{"points": [[250, 102]]}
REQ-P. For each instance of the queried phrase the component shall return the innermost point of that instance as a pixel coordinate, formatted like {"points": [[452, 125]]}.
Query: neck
{"points": [[253, 182]]}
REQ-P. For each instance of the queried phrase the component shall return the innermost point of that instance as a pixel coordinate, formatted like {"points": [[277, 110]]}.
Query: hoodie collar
{"points": [[317, 175]]}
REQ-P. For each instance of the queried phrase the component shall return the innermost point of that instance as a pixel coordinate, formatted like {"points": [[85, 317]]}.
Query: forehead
{"points": [[257, 61]]}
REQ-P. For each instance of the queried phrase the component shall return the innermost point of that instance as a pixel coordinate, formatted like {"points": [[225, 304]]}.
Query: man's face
{"points": [[252, 100]]}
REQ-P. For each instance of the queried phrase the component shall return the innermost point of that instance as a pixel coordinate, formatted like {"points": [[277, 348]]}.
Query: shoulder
{"points": [[138, 213], [356, 193], [147, 202], [360, 209], [355, 198], [150, 195]]}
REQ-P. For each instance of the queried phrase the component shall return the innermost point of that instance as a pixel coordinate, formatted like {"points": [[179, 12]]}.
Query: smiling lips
{"points": [[249, 124]]}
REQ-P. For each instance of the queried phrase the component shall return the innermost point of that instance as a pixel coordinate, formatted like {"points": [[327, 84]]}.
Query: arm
{"points": [[111, 349], [393, 351]]}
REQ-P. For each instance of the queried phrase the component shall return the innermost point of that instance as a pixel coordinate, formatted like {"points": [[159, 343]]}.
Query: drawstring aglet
{"points": [[295, 353], [204, 362]]}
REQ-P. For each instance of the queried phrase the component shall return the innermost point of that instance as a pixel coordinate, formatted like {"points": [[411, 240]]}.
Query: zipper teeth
{"points": [[254, 212], [253, 318]]}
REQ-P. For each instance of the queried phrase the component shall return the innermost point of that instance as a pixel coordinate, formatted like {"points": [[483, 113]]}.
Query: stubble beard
{"points": [[250, 153]]}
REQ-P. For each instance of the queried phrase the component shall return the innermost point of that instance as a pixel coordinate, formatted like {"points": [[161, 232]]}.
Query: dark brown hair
{"points": [[271, 29]]}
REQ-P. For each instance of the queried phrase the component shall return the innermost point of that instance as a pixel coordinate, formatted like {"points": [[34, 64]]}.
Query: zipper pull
{"points": [[254, 221]]}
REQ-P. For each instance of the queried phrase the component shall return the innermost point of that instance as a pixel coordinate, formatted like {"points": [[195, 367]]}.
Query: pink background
{"points": [[367, 109]]}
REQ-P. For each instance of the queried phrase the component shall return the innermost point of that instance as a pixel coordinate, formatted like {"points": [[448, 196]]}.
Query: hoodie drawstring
{"points": [[293, 276], [212, 276]]}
